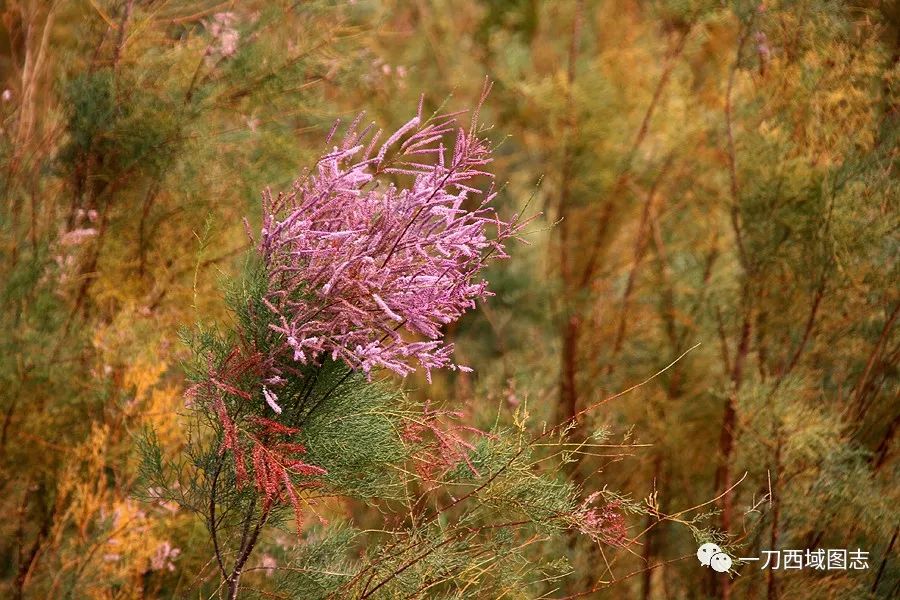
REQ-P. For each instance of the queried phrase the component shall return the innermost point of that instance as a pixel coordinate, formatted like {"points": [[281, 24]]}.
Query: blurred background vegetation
{"points": [[709, 172]]}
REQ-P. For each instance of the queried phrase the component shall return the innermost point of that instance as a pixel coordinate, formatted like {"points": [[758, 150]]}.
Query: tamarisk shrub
{"points": [[357, 269]]}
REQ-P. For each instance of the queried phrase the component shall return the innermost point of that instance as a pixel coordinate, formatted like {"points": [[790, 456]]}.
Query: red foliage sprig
{"points": [[440, 441], [276, 466], [278, 472]]}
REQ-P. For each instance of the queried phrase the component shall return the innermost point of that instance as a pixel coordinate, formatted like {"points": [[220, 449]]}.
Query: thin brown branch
{"points": [[568, 384], [213, 525], [620, 183], [640, 247], [233, 580], [887, 553], [123, 27], [807, 330], [862, 384]]}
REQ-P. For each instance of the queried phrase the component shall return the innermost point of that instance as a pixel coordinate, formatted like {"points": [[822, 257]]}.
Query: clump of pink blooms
{"points": [[225, 37], [268, 564], [164, 557], [376, 249], [604, 523]]}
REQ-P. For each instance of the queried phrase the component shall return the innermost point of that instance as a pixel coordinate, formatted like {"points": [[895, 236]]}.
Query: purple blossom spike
{"points": [[271, 400], [376, 249]]}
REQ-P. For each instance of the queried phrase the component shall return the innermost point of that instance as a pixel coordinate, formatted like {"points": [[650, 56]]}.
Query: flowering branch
{"points": [[355, 261]]}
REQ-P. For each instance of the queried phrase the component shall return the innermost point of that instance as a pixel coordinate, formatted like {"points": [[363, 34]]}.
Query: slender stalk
{"points": [[729, 418], [884, 561], [233, 580], [568, 384], [213, 526], [775, 500]]}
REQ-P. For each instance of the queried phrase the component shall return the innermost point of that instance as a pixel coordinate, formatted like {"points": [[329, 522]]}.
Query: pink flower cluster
{"points": [[163, 557], [379, 247], [604, 523]]}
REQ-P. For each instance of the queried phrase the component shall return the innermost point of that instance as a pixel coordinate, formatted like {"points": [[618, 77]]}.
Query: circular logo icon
{"points": [[706, 552], [720, 562]]}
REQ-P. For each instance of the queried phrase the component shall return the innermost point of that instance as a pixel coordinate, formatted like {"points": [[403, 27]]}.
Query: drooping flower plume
{"points": [[379, 246]]}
